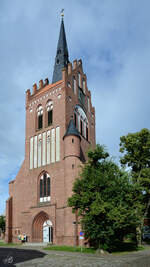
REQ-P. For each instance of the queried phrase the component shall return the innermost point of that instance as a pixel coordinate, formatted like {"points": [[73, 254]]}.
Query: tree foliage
{"points": [[2, 223], [136, 155], [136, 149], [105, 199]]}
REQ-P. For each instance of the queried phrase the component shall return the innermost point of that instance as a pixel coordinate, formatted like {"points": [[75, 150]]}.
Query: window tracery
{"points": [[81, 121], [45, 187]]}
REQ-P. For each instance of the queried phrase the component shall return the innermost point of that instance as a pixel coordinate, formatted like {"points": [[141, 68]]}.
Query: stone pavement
{"points": [[37, 257]]}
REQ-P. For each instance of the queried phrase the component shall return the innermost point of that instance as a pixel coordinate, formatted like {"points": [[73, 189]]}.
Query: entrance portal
{"points": [[47, 231], [42, 230]]}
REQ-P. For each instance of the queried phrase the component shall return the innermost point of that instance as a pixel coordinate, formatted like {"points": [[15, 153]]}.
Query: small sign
{"points": [[81, 233], [81, 237]]}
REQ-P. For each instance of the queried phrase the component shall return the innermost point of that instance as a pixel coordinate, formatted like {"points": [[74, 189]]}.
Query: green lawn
{"points": [[122, 248], [3, 244], [70, 249]]}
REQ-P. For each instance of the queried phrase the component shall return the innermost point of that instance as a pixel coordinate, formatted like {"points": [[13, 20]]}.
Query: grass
{"points": [[3, 244], [123, 248], [70, 249]]}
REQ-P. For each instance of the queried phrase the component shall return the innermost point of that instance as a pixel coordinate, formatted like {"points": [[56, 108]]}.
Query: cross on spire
{"points": [[62, 13]]}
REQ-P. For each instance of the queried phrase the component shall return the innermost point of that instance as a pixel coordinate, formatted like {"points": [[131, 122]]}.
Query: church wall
{"points": [[26, 202], [62, 171], [60, 224], [73, 100], [47, 152], [72, 168], [9, 219], [57, 96]]}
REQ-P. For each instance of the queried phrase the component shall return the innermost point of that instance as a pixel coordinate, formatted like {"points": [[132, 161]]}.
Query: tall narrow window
{"points": [[40, 121], [79, 79], [44, 181], [88, 103], [81, 127], [44, 188], [74, 85], [83, 85], [50, 117], [40, 117], [48, 186], [49, 107], [75, 119], [81, 96], [41, 188], [87, 133], [81, 121]]}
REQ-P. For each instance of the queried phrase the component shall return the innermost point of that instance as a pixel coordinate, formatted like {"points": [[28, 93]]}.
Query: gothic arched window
{"points": [[39, 117], [83, 82], [75, 119], [74, 85], [45, 187], [79, 79], [81, 121], [49, 109]]}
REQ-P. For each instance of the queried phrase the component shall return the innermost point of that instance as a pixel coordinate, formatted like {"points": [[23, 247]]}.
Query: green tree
{"points": [[2, 223], [136, 155], [105, 199]]}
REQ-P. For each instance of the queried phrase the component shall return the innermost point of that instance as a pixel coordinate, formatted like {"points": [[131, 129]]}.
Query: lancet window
{"points": [[81, 121], [83, 81], [45, 187], [74, 85], [49, 108], [40, 117], [79, 79]]}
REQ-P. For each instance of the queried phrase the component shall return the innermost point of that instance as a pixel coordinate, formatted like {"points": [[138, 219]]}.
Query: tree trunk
{"points": [[140, 228], [139, 235]]}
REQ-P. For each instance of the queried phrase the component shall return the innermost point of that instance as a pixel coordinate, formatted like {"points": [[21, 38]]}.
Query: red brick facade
{"points": [[27, 209]]}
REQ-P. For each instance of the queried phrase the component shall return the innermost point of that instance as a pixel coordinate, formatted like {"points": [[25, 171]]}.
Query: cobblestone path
{"points": [[36, 257]]}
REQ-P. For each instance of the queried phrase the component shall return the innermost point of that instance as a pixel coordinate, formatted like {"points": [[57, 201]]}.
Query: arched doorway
{"points": [[41, 227], [47, 231]]}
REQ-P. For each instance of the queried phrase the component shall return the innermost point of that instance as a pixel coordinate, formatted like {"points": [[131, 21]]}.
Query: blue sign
{"points": [[81, 233]]}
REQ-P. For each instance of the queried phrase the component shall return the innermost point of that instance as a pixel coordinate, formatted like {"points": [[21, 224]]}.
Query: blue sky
{"points": [[111, 37]]}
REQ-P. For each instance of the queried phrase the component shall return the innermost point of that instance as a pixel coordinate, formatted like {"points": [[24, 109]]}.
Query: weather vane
{"points": [[62, 12]]}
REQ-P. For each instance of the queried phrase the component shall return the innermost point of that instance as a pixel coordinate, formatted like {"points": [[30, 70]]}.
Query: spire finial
{"points": [[62, 13], [62, 55]]}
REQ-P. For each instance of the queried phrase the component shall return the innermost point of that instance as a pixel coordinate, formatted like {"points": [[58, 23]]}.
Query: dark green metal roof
{"points": [[72, 130], [62, 55]]}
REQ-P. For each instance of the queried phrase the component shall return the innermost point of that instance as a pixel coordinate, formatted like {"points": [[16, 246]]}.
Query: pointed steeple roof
{"points": [[72, 130], [62, 56]]}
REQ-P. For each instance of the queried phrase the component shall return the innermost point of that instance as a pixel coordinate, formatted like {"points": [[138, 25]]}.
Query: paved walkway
{"points": [[37, 257]]}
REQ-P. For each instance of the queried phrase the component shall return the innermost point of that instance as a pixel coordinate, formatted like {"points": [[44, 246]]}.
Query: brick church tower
{"points": [[60, 127]]}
